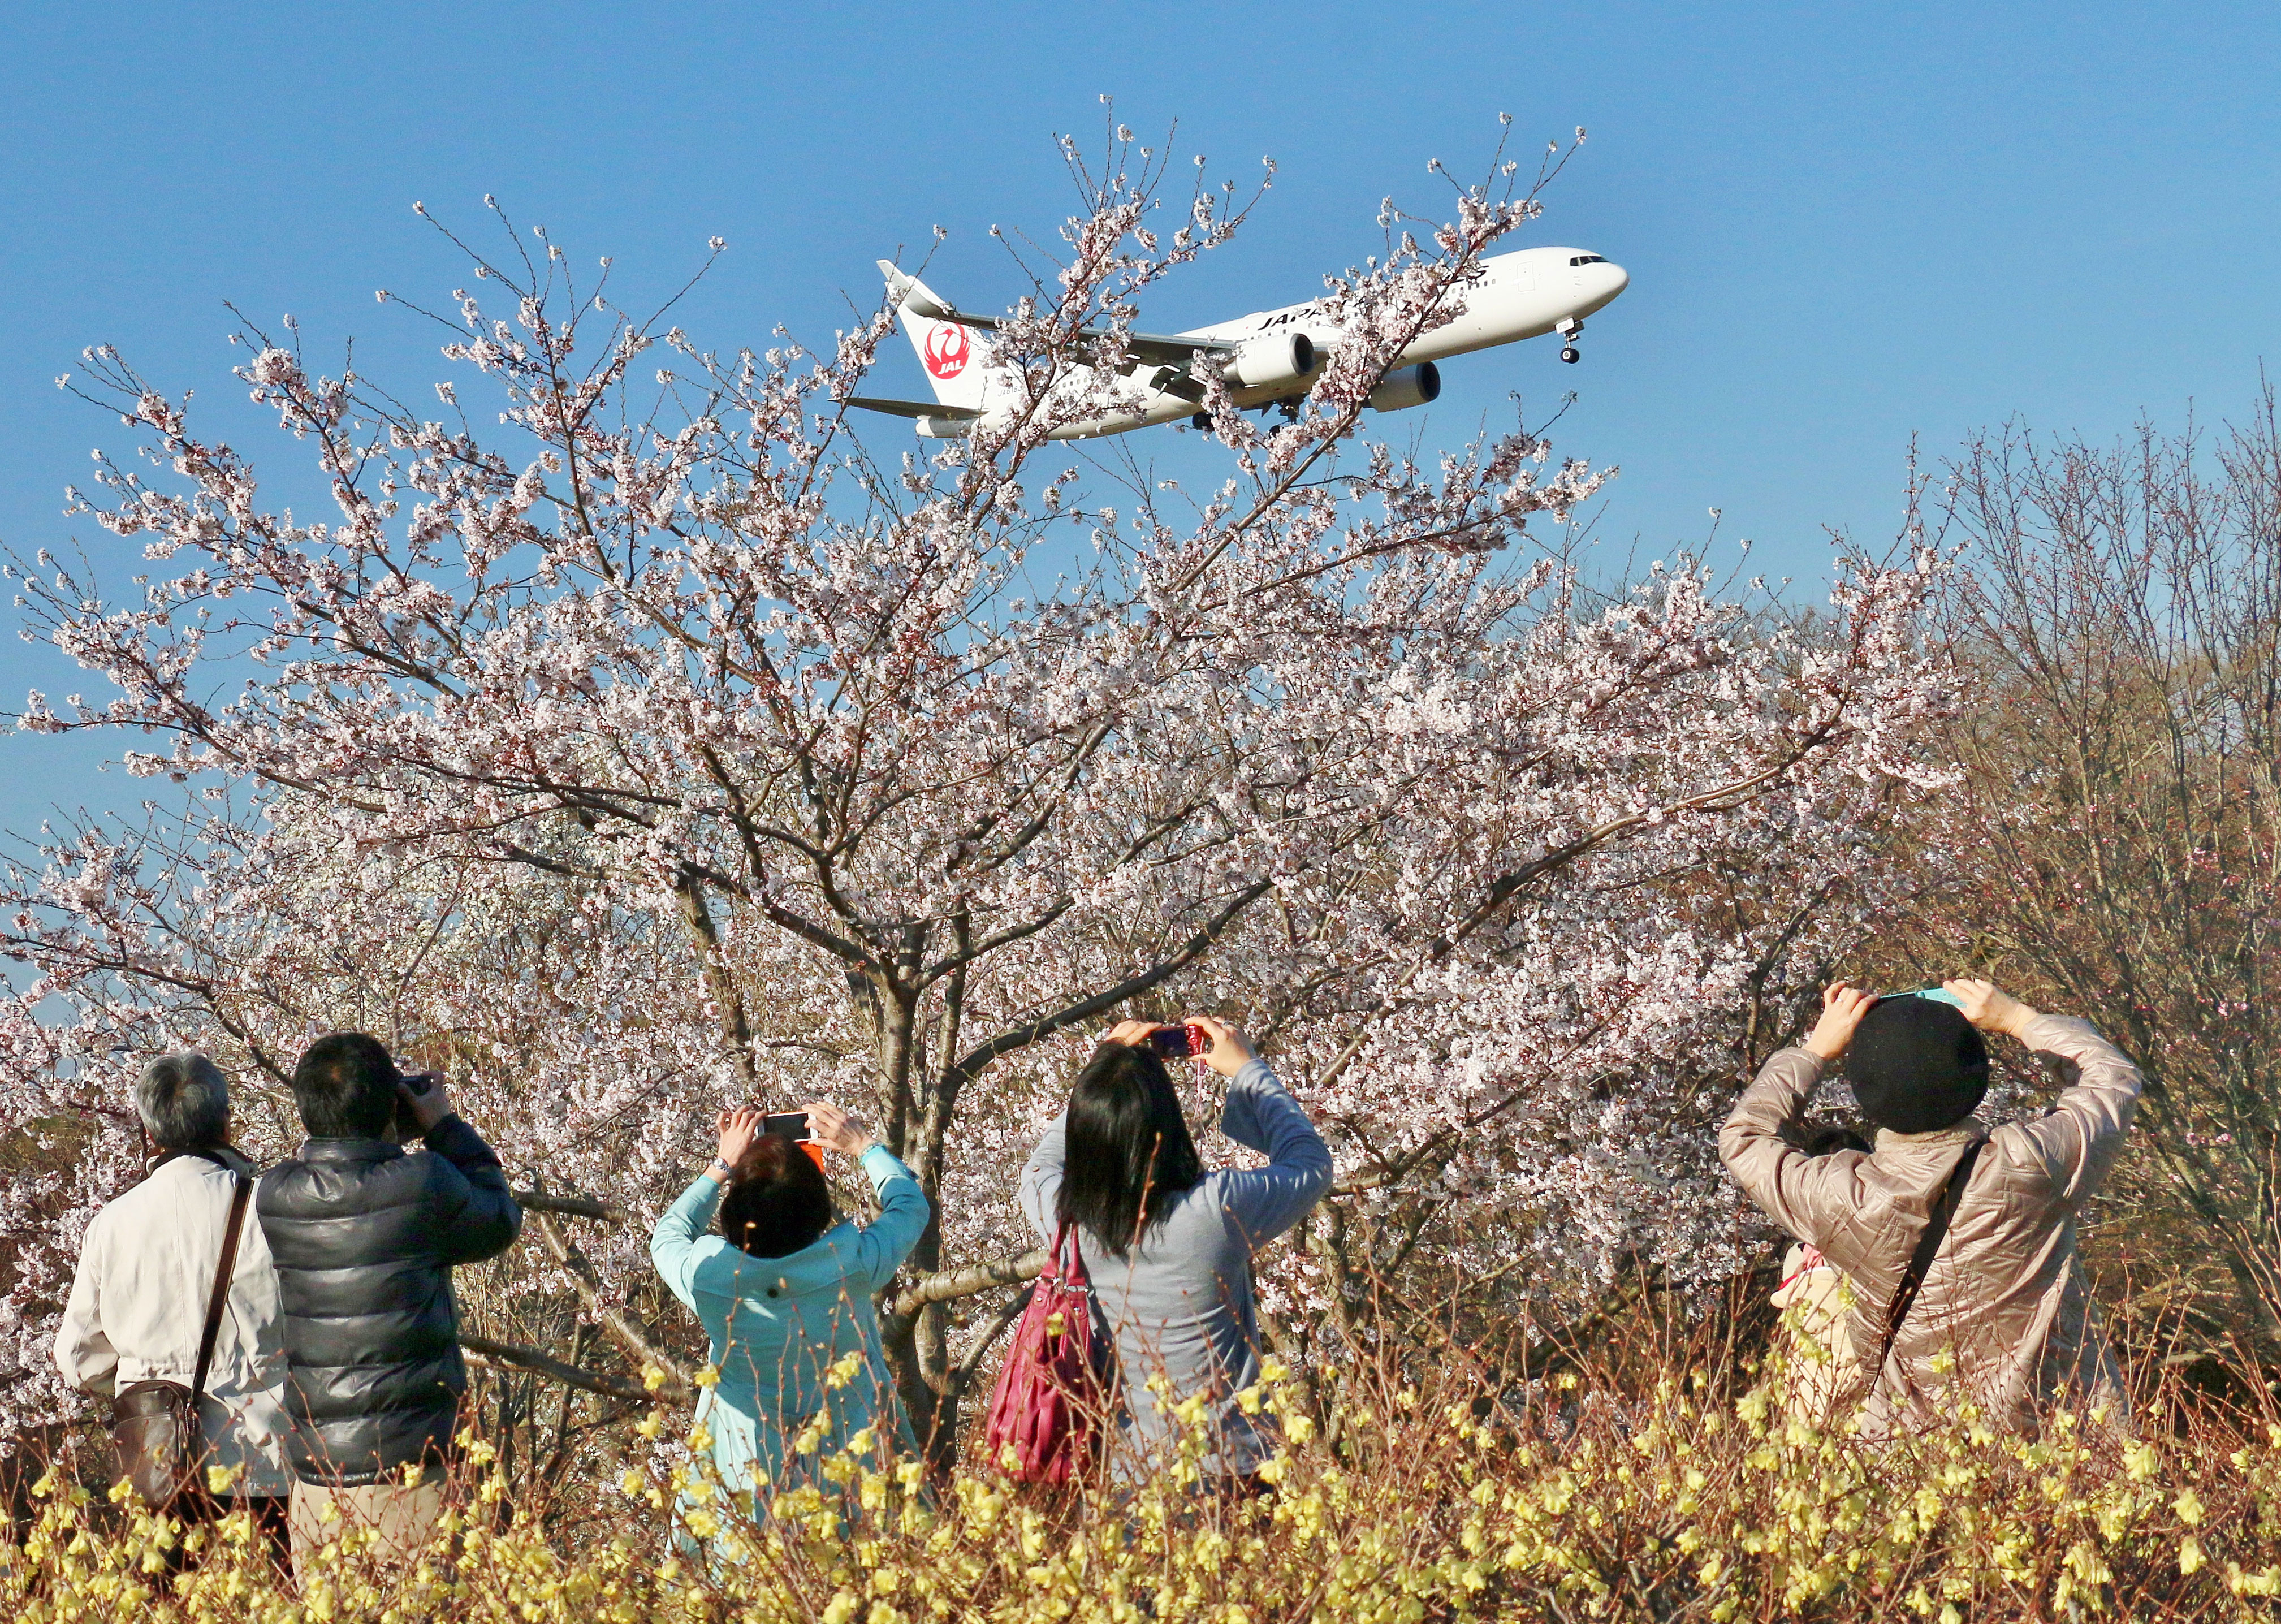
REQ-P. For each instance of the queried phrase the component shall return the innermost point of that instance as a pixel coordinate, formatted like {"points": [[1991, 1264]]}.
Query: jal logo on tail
{"points": [[947, 348]]}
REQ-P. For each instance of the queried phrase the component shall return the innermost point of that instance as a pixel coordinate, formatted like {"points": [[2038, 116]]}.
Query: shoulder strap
{"points": [[1935, 1231], [197, 1153], [220, 1296]]}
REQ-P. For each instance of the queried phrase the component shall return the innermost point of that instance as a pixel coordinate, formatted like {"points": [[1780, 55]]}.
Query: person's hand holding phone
{"points": [[737, 1129], [1842, 1009], [835, 1130], [422, 1097], [1230, 1049], [1989, 1007]]}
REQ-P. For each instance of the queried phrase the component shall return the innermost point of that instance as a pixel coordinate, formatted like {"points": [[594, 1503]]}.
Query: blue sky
{"points": [[1845, 225]]}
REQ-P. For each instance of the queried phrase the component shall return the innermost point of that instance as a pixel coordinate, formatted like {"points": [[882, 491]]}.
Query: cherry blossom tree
{"points": [[663, 747]]}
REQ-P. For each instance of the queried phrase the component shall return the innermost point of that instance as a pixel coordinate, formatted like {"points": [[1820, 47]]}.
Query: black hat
{"points": [[1916, 1064]]}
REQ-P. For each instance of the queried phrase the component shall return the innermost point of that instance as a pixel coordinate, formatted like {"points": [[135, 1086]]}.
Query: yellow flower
{"points": [[220, 1478], [2188, 1506], [707, 1377], [653, 1377], [2190, 1555]]}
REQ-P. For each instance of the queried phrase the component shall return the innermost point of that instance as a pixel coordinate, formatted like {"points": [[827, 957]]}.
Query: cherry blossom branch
{"points": [[612, 1318], [966, 1282], [520, 1357]]}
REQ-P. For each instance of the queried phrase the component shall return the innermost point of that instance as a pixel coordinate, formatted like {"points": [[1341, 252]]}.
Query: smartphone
{"points": [[1938, 994], [792, 1124], [1179, 1042]]}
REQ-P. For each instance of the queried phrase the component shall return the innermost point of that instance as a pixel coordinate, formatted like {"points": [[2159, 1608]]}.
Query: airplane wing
{"points": [[1166, 351], [913, 408], [1154, 349]]}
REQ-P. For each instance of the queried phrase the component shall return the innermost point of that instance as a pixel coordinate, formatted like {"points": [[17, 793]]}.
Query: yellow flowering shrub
{"points": [[1401, 1502]]}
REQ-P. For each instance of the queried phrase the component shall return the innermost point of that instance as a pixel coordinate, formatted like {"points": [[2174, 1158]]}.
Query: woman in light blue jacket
{"points": [[786, 1294]]}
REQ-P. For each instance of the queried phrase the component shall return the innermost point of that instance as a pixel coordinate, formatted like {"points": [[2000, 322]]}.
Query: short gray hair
{"points": [[184, 1100]]}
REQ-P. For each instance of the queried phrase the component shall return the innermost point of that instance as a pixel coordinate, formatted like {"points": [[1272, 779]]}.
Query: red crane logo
{"points": [[947, 348]]}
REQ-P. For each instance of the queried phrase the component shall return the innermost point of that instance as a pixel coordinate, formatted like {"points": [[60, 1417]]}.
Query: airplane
{"points": [[1269, 359]]}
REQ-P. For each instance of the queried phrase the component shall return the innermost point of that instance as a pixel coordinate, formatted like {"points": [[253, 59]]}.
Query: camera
{"points": [[406, 1127], [1179, 1042], [792, 1124]]}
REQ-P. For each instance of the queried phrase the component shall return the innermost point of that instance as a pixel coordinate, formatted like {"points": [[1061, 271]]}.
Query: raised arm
{"points": [[1804, 1193], [674, 1244], [888, 1239], [2077, 1139], [1042, 1179], [480, 1218], [883, 1243], [1789, 1186], [2076, 1142], [1261, 1116], [679, 1245]]}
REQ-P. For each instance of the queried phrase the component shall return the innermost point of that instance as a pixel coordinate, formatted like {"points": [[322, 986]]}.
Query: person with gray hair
{"points": [[147, 1272]]}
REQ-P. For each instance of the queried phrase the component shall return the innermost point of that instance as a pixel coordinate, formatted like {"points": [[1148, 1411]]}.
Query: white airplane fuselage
{"points": [[1517, 296]]}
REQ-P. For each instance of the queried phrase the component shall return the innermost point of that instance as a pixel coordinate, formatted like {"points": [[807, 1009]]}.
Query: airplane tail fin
{"points": [[952, 353]]}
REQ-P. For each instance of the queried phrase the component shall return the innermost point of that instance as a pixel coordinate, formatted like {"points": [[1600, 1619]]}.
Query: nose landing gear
{"points": [[1568, 328]]}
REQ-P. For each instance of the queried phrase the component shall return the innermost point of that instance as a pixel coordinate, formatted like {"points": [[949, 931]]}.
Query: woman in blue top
{"points": [[786, 1294]]}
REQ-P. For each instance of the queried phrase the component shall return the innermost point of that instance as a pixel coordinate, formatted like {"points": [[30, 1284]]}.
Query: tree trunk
{"points": [[720, 985]]}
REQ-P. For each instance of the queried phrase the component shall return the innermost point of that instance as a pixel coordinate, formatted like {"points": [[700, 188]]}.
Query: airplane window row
{"points": [[1590, 259]]}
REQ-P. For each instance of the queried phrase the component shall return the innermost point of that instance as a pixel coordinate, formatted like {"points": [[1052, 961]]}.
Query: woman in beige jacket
{"points": [[2003, 1320]]}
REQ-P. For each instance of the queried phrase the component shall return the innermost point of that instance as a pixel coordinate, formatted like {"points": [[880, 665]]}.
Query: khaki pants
{"points": [[402, 1517]]}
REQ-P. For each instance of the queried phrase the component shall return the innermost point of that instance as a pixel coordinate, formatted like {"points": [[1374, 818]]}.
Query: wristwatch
{"points": [[719, 1172]]}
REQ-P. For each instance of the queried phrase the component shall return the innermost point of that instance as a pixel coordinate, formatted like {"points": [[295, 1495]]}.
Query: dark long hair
{"points": [[776, 1202], [1128, 1149]]}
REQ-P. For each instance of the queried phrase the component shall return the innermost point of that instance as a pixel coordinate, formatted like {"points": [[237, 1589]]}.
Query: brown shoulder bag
{"points": [[154, 1425]]}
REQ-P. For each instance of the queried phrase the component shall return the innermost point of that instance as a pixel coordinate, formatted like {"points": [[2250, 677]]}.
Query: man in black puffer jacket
{"points": [[365, 1237]]}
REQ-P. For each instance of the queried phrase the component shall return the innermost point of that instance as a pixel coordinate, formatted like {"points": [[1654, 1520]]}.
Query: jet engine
{"points": [[1272, 358], [1419, 385]]}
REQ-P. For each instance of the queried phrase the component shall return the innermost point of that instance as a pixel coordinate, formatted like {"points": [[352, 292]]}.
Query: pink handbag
{"points": [[1049, 1404]]}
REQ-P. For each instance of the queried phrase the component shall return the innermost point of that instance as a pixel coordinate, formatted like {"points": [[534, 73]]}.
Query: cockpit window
{"points": [[1590, 259]]}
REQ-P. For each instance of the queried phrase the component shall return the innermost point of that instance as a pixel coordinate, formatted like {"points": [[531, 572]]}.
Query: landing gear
{"points": [[1201, 422], [1568, 328], [1572, 355]]}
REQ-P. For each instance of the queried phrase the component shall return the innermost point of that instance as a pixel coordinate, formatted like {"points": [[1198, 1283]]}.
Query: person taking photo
{"points": [[1169, 1245], [364, 1239], [1999, 1313], [785, 1291]]}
